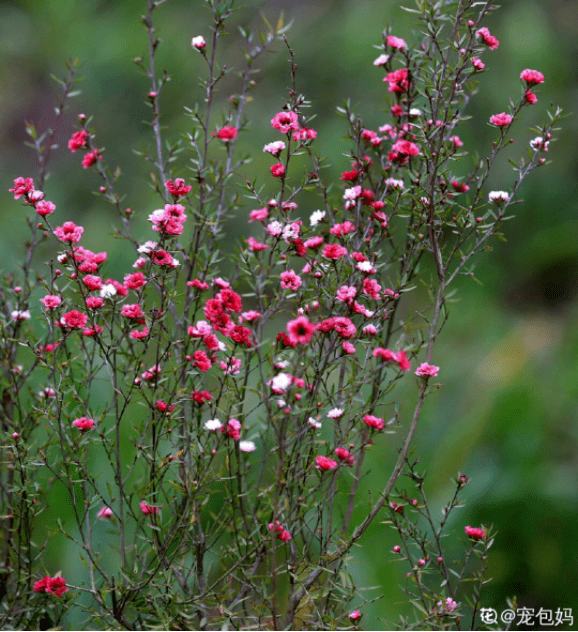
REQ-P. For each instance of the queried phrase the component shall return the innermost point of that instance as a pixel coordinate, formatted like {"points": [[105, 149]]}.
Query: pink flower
{"points": [[132, 311], [169, 220], [77, 140], [148, 510], [83, 423], [477, 63], [374, 422], [345, 456], [531, 98], [284, 536], [532, 77], [50, 301], [178, 189], [488, 38], [69, 232], [300, 330], [202, 361], [285, 122], [305, 133], [405, 148], [274, 148], [104, 512], [90, 158], [398, 80], [198, 42], [427, 370], [501, 120], [395, 42], [74, 319], [134, 281], [53, 585], [22, 186], [256, 246], [278, 170], [475, 533], [139, 335], [334, 251], [290, 280], [44, 208], [325, 463], [227, 133], [348, 347], [402, 360], [92, 282]]}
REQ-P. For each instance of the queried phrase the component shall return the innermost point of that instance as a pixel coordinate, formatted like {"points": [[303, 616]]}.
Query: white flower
{"points": [[198, 42], [415, 112], [365, 266], [213, 424], [275, 148], [274, 228], [394, 184], [62, 258], [381, 60], [539, 143], [335, 413], [498, 196], [280, 383], [18, 314], [316, 217], [108, 291], [352, 193], [147, 247], [314, 423], [247, 446], [291, 231]]}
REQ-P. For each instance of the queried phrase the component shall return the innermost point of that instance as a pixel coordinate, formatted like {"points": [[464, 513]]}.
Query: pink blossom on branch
{"points": [[488, 38], [300, 330], [325, 463], [532, 77], [69, 233], [501, 120], [285, 122], [475, 533], [83, 423], [427, 370]]}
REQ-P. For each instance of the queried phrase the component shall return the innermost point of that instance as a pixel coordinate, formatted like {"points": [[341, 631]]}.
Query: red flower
{"points": [[74, 319], [532, 77], [405, 148], [227, 133], [178, 189], [91, 158], [300, 330], [53, 585], [278, 170], [475, 533], [325, 463], [77, 140]]}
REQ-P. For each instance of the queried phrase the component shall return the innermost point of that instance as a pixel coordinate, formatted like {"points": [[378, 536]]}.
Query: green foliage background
{"points": [[507, 415]]}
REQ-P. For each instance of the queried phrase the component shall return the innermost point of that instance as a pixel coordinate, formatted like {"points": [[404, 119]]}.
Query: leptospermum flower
{"points": [[52, 585], [213, 424], [227, 133], [247, 446], [198, 42], [475, 533], [300, 330], [104, 512], [69, 233], [83, 423], [325, 463], [499, 197], [148, 510], [374, 422], [427, 370], [501, 120]]}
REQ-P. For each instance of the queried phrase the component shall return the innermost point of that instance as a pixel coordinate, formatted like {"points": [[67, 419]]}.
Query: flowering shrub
{"points": [[248, 378]]}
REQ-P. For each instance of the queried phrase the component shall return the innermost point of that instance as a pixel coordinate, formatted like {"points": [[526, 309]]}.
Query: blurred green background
{"points": [[507, 415]]}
